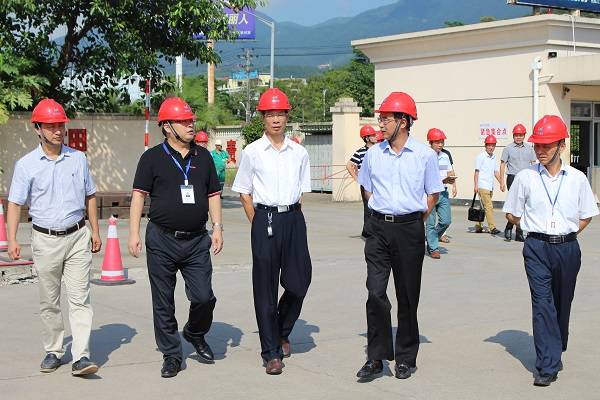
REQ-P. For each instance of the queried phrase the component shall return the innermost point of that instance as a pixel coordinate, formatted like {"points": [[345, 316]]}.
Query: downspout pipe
{"points": [[536, 67]]}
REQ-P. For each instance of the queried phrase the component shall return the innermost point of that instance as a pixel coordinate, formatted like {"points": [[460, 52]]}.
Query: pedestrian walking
{"points": [[398, 174], [553, 202], [274, 172], [181, 180], [486, 169], [516, 156], [369, 136], [220, 158], [55, 181], [440, 217]]}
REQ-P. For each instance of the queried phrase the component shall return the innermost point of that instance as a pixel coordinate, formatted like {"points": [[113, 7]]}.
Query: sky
{"points": [[311, 12]]}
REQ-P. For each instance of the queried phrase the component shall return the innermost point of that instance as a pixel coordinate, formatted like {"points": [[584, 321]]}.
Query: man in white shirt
{"points": [[486, 168], [553, 202], [274, 172]]}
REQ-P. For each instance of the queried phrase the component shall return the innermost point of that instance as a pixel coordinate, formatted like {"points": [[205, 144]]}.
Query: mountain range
{"points": [[299, 49]]}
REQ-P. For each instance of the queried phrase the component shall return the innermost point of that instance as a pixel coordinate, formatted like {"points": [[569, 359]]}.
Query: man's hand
{"points": [[476, 190], [96, 242], [134, 245], [14, 250], [502, 187], [217, 240]]}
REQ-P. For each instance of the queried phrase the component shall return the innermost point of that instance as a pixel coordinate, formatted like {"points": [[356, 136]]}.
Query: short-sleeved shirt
{"points": [[220, 159], [399, 183], [527, 199], [445, 164], [358, 156], [517, 157], [486, 165], [158, 175], [273, 177], [54, 189]]}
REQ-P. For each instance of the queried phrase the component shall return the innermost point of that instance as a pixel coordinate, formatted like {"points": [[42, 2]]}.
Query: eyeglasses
{"points": [[384, 120]]}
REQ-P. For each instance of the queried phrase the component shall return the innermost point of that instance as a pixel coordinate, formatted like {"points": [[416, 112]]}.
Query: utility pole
{"points": [[211, 76], [247, 57]]}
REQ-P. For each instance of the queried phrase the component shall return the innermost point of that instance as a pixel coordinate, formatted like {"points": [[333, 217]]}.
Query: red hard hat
{"points": [[273, 99], [366, 131], [549, 129], [379, 136], [48, 111], [519, 129], [399, 102], [490, 139], [435, 134], [201, 137], [175, 109]]}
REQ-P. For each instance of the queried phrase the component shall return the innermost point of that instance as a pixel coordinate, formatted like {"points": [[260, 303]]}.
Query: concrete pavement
{"points": [[475, 322]]}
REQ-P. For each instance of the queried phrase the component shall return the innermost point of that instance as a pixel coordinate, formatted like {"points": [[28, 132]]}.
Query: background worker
{"points": [[440, 217], [369, 136], [553, 202], [516, 156], [201, 139], [397, 174], [274, 172], [486, 169], [181, 180], [55, 180], [220, 158]]}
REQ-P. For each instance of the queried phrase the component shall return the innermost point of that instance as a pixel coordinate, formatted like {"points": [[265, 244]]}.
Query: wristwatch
{"points": [[218, 224]]}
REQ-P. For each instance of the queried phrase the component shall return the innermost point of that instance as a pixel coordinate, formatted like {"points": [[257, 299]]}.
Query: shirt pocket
{"points": [[74, 191]]}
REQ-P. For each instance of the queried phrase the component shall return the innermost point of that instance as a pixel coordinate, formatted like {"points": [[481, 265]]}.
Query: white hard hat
{"points": [[218, 142]]}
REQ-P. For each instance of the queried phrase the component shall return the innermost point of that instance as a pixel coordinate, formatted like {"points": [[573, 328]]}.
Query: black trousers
{"points": [[509, 182], [396, 247], [366, 212], [284, 258], [165, 256], [552, 273]]}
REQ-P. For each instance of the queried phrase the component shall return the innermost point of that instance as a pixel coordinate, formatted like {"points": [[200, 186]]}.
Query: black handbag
{"points": [[476, 214]]}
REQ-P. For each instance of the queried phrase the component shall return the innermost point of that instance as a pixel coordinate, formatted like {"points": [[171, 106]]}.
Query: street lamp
{"points": [[324, 92]]}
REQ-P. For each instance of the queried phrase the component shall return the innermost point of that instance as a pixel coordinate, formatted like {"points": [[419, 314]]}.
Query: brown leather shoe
{"points": [[286, 348], [274, 367], [435, 254]]}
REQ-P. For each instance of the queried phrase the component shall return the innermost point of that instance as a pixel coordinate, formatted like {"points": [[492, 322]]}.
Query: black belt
{"points": [[180, 234], [279, 209], [63, 232], [554, 239], [397, 218]]}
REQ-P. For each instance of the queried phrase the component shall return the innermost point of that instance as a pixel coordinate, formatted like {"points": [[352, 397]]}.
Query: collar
{"points": [[63, 153], [409, 145], [172, 151], [563, 167], [519, 145], [489, 155], [266, 143]]}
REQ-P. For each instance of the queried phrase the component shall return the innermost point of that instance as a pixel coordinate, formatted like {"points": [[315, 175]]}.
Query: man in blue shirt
{"points": [[55, 180], [402, 184]]}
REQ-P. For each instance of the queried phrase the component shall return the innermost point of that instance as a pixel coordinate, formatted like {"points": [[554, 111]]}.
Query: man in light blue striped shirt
{"points": [[55, 181]]}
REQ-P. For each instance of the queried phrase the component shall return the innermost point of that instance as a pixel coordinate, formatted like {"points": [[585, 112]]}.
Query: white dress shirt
{"points": [[273, 177], [486, 165], [527, 199]]}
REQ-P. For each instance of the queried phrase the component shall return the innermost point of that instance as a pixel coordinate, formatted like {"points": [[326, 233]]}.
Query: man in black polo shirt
{"points": [[181, 179]]}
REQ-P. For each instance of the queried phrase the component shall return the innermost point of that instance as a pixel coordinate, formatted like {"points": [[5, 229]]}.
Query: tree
{"points": [[453, 23], [487, 18], [17, 84], [253, 130], [106, 41]]}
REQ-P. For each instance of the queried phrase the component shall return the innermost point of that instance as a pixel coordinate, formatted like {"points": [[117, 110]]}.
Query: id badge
{"points": [[553, 226], [187, 194]]}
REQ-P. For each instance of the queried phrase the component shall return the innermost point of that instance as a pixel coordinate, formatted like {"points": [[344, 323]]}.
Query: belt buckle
{"points": [[60, 233], [281, 209], [180, 234], [388, 218], [556, 239]]}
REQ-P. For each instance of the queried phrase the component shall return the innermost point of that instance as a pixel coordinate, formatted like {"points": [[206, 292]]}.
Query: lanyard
{"points": [[552, 203], [187, 167]]}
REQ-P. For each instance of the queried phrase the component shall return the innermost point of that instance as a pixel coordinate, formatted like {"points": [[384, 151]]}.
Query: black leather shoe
{"points": [[171, 366], [83, 367], [519, 236], [508, 234], [402, 371], [544, 380], [50, 363], [371, 369], [203, 350], [494, 231]]}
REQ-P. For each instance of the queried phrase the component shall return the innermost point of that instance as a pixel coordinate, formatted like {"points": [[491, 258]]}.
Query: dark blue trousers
{"points": [[284, 258], [552, 272]]}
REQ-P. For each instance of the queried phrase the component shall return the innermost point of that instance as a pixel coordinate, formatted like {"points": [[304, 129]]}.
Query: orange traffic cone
{"points": [[3, 239], [113, 272]]}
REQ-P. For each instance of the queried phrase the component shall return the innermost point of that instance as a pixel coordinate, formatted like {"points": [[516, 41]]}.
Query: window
{"points": [[581, 110]]}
